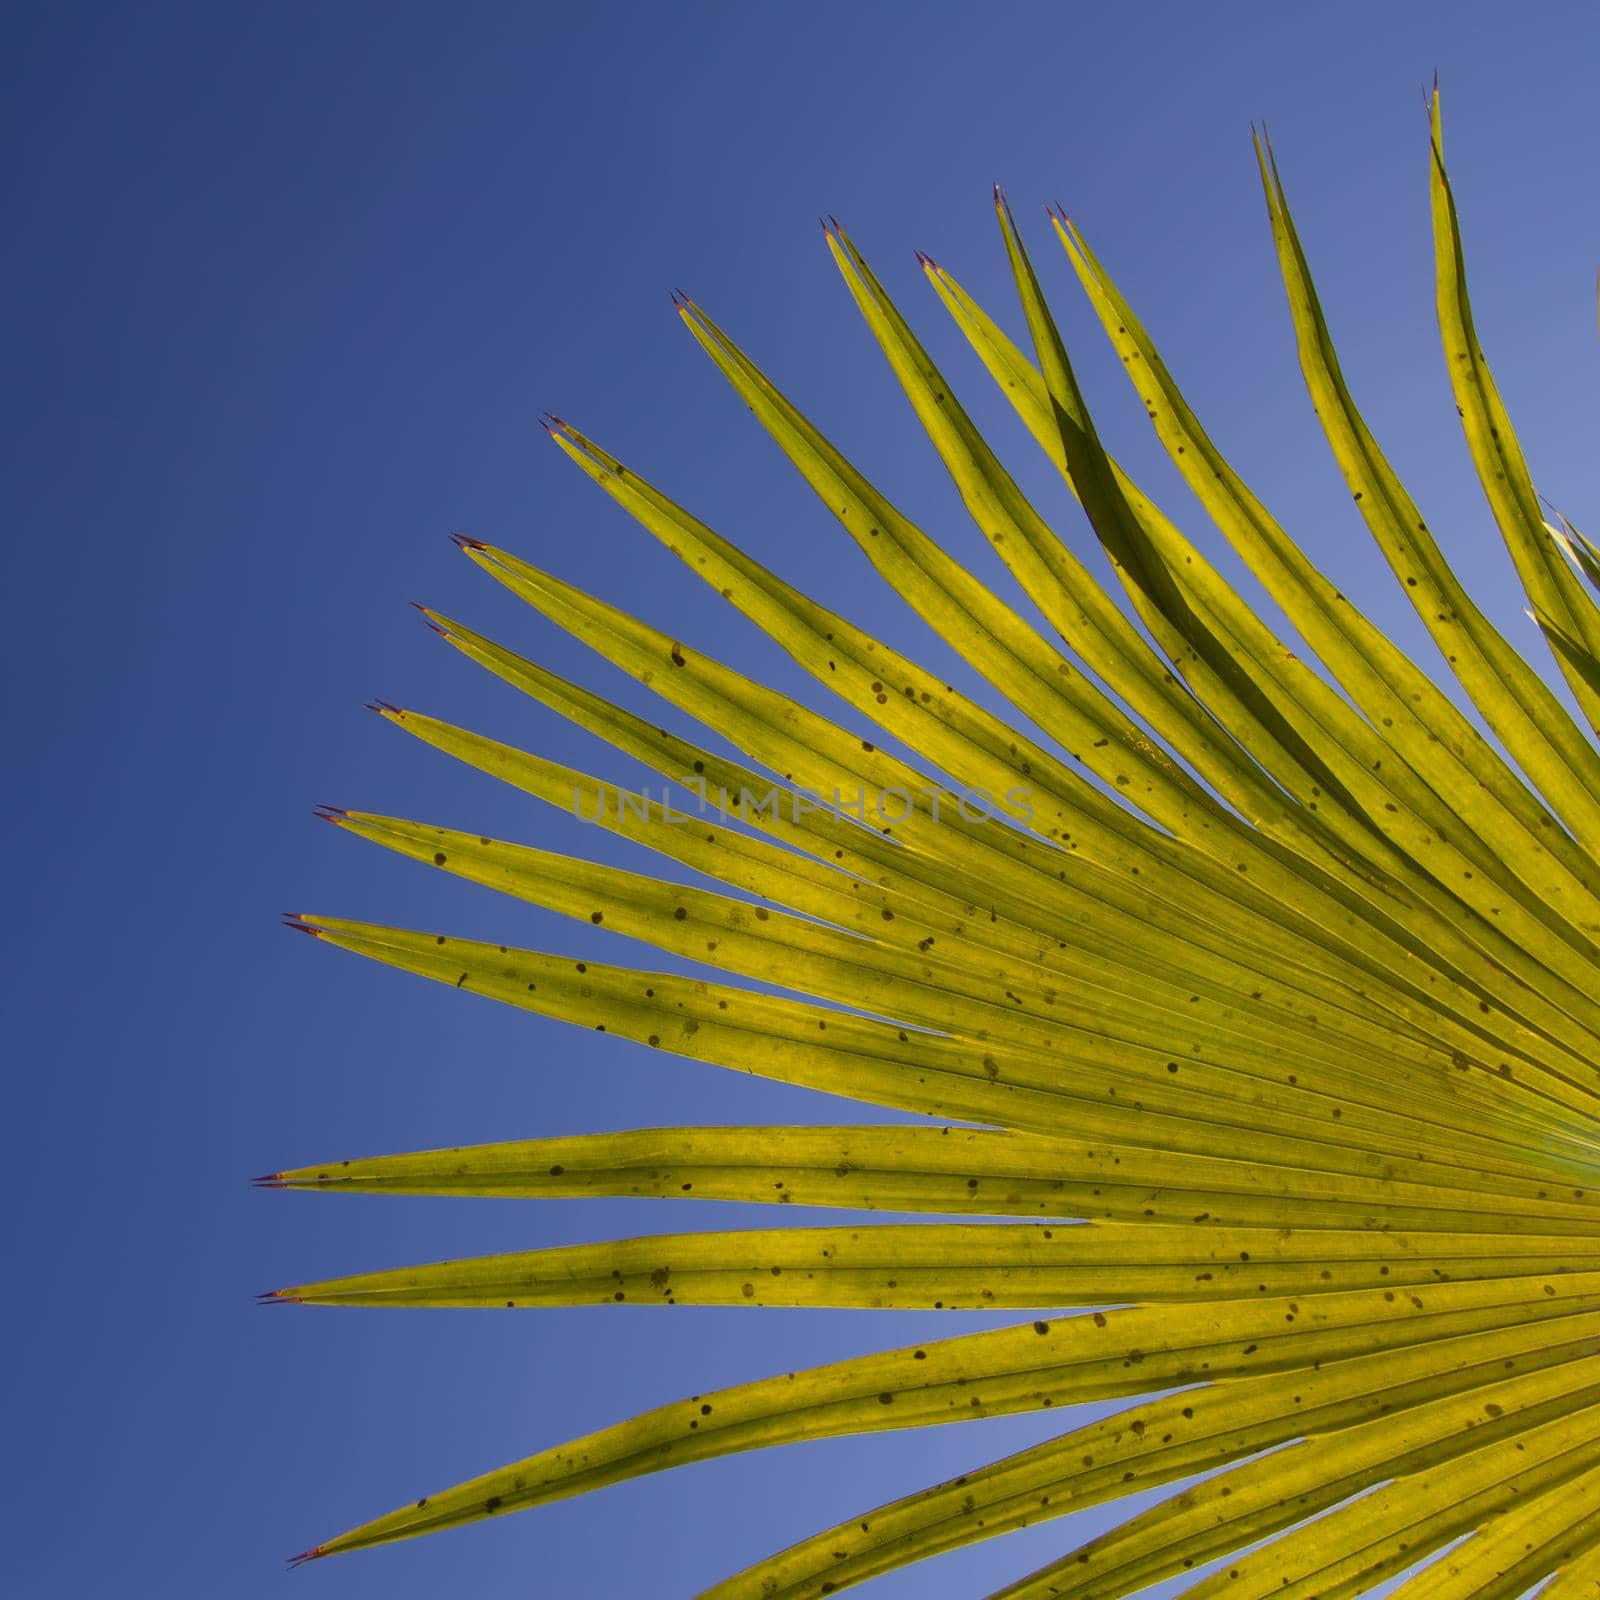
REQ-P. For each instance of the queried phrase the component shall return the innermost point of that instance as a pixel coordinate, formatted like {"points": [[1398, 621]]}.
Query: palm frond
{"points": [[1260, 989]]}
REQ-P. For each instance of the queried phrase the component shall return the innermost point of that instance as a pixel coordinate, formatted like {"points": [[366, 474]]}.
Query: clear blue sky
{"points": [[290, 285]]}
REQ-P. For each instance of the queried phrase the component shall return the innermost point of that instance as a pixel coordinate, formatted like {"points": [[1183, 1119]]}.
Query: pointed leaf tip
{"points": [[315, 1553]]}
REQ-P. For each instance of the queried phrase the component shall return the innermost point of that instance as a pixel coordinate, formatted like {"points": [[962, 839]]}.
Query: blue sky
{"points": [[291, 286]]}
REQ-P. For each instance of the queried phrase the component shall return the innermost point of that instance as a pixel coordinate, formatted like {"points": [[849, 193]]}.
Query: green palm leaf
{"points": [[1262, 994]]}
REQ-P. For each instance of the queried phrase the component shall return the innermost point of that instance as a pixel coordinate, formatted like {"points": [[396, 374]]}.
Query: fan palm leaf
{"points": [[1259, 997]]}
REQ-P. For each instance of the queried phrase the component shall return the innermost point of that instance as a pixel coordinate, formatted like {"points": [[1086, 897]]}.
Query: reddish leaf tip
{"points": [[313, 1554]]}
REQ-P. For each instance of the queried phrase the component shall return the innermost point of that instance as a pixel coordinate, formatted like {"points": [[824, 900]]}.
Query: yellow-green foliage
{"points": [[1288, 1052]]}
